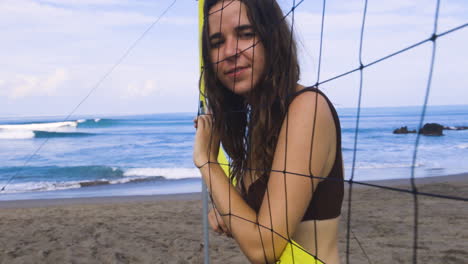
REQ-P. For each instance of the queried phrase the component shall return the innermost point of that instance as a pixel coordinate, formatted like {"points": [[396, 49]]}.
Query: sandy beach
{"points": [[168, 228]]}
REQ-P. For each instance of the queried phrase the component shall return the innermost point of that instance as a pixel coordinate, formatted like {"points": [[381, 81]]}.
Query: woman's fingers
{"points": [[217, 223], [210, 221], [206, 145], [213, 222], [203, 122], [224, 228], [207, 122], [222, 225]]}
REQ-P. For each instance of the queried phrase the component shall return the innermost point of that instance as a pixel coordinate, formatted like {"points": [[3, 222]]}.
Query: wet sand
{"points": [[168, 228]]}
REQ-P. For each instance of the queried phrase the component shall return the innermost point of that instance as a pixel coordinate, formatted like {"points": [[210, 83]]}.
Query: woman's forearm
{"points": [[238, 216], [227, 200]]}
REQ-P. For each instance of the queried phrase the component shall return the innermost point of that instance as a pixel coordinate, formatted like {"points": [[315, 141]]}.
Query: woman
{"points": [[283, 139]]}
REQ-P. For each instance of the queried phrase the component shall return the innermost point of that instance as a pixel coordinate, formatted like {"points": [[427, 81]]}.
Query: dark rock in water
{"points": [[456, 128], [431, 129], [403, 130], [93, 183]]}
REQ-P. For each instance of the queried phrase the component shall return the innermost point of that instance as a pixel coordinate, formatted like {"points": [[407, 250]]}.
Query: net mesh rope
{"points": [[362, 66]]}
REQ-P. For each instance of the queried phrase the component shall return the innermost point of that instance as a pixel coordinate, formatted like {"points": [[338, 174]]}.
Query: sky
{"points": [[54, 52]]}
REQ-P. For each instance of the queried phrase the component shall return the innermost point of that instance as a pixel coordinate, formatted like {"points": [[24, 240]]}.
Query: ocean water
{"points": [[152, 154]]}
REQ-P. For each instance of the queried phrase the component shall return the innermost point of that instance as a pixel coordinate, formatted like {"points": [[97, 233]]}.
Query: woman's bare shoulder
{"points": [[310, 118], [308, 101]]}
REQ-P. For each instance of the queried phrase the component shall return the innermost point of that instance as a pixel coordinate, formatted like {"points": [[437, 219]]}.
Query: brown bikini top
{"points": [[328, 196]]}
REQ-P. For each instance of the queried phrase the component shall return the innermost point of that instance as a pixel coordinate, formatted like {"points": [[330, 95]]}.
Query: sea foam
{"points": [[40, 186], [16, 134], [48, 129], [40, 126], [168, 173], [130, 175], [462, 146]]}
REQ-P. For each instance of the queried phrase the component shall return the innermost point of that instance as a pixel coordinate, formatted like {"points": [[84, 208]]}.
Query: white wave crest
{"points": [[40, 186], [9, 134], [462, 146], [130, 175], [168, 173], [40, 126]]}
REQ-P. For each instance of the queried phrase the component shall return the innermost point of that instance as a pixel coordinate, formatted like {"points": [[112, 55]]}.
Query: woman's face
{"points": [[235, 46]]}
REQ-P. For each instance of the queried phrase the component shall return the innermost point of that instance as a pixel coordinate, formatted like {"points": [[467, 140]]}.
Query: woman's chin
{"points": [[241, 92], [241, 88]]}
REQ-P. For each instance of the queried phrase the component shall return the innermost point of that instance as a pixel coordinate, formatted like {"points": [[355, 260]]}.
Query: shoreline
{"points": [[191, 196]]}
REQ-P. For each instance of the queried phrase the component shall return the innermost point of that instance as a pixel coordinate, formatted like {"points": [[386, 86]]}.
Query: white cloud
{"points": [[29, 14], [146, 88], [3, 88], [451, 7], [86, 2], [29, 85], [59, 19], [179, 20], [340, 22], [24, 86], [54, 80]]}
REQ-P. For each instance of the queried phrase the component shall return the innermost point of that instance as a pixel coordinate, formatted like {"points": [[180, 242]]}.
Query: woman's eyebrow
{"points": [[244, 27], [239, 28], [216, 35]]}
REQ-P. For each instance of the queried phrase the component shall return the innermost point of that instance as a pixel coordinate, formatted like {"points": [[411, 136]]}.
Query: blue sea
{"points": [[90, 156]]}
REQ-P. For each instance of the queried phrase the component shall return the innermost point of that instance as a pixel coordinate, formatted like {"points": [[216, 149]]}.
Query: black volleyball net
{"points": [[361, 66]]}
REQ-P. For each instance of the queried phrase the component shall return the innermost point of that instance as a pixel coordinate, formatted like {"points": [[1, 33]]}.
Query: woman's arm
{"points": [[217, 223], [288, 194]]}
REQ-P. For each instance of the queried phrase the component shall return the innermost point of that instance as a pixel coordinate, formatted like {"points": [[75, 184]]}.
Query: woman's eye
{"points": [[216, 44], [247, 35]]}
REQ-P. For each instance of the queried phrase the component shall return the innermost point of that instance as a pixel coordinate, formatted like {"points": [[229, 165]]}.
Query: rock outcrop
{"points": [[403, 130], [432, 129], [429, 129]]}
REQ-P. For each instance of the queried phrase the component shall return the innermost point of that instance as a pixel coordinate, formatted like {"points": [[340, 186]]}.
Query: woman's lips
{"points": [[236, 72]]}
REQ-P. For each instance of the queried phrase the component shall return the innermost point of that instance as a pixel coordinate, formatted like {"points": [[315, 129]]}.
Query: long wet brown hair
{"points": [[249, 126]]}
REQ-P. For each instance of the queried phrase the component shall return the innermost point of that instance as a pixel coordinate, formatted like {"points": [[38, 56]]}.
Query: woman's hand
{"points": [[206, 141], [217, 223]]}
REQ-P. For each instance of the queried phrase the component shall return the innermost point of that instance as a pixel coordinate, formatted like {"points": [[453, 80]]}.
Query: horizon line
{"points": [[6, 115]]}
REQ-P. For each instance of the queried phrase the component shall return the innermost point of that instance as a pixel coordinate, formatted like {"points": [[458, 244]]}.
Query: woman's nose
{"points": [[231, 49]]}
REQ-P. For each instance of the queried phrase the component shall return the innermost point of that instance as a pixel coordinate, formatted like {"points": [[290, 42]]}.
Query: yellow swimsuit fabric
{"points": [[294, 253]]}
